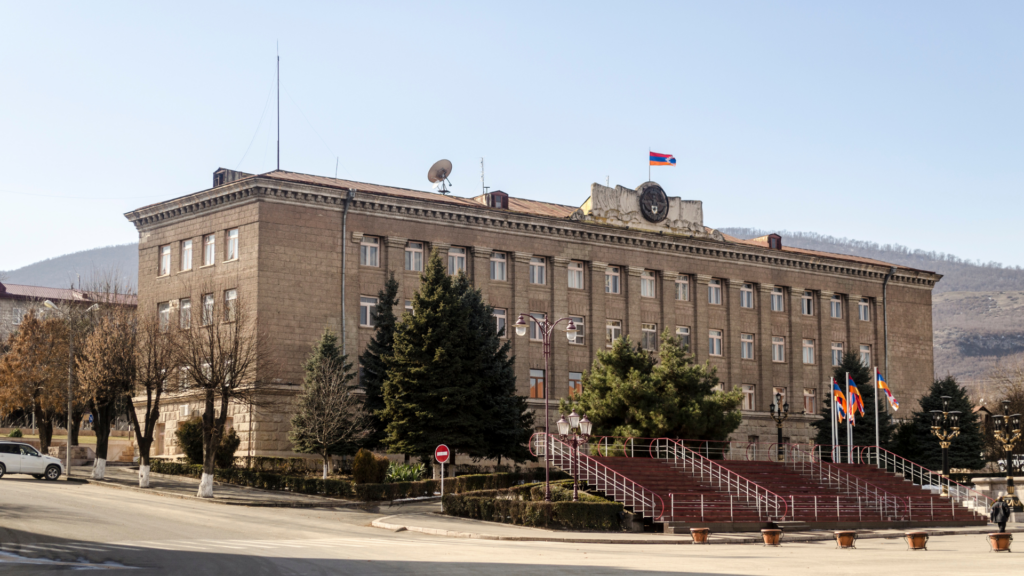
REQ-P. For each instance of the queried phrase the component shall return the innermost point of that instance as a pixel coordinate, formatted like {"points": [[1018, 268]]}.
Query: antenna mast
{"points": [[278, 105], [483, 186]]}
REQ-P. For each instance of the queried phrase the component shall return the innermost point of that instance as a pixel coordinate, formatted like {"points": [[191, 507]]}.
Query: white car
{"points": [[18, 458]]}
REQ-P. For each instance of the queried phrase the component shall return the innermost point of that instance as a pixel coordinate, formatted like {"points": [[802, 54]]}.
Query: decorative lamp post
{"points": [[1007, 432], [779, 412], [945, 427], [576, 431], [546, 328]]}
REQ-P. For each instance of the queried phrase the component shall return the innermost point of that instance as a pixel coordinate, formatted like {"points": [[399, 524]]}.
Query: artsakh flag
{"points": [[662, 159], [856, 400], [888, 393], [840, 399]]}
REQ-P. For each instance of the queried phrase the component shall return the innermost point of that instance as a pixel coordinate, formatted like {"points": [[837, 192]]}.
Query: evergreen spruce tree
{"points": [[915, 441], [431, 393], [372, 359], [864, 425]]}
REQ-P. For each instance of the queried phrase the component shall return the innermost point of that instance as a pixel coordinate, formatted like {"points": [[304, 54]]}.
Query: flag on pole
{"points": [[888, 393], [856, 400], [662, 159], [840, 398]]}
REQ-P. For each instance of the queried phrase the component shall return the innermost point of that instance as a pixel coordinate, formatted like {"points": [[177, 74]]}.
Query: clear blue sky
{"points": [[898, 122]]}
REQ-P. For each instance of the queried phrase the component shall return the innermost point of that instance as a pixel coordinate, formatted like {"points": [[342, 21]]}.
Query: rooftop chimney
{"points": [[224, 176]]}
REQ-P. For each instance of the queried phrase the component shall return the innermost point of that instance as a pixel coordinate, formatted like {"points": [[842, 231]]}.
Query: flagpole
{"points": [[835, 417], [648, 164], [877, 443], [849, 423]]}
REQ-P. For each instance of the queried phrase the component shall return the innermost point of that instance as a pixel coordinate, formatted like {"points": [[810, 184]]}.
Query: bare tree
{"points": [[220, 357]]}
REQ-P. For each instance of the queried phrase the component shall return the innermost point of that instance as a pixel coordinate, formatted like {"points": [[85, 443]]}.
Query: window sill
{"points": [[207, 265], [229, 261], [184, 271], [364, 326]]}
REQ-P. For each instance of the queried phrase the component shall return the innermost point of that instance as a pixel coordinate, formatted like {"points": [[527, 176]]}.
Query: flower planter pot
{"points": [[700, 535], [771, 536], [846, 539], [1000, 541], [916, 540]]}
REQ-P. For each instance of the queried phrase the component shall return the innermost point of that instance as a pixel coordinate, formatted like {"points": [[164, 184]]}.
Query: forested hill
{"points": [[62, 271], [958, 275]]}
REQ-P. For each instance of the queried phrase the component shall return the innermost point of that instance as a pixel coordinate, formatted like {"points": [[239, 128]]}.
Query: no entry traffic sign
{"points": [[441, 454]]}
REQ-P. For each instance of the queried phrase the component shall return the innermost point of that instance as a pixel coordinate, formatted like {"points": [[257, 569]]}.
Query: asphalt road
{"points": [[47, 527]]}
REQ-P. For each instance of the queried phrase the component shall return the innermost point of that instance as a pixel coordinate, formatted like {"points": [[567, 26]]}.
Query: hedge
{"points": [[256, 478], [590, 513]]}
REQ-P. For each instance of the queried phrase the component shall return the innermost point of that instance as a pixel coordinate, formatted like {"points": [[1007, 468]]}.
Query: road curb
{"points": [[221, 501], [753, 539]]}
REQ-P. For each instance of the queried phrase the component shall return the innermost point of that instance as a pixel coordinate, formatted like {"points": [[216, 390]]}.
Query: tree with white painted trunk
{"points": [[219, 354], [156, 374]]}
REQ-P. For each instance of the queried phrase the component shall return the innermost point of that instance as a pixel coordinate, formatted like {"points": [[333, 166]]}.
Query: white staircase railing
{"points": [[887, 504], [598, 476], [769, 505]]}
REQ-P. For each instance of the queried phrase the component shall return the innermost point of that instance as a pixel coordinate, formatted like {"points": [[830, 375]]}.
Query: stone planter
{"points": [[916, 540], [1000, 541], [700, 535], [846, 539], [771, 536]]}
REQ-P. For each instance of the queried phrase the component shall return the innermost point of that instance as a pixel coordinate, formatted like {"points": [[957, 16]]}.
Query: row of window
{"points": [[537, 383], [209, 247], [810, 398], [184, 308]]}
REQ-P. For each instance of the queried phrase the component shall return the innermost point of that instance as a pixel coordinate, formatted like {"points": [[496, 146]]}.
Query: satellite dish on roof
{"points": [[438, 174]]}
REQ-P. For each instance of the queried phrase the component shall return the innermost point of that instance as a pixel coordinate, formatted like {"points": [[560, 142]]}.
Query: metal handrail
{"points": [[600, 477], [720, 477], [922, 476], [805, 463]]}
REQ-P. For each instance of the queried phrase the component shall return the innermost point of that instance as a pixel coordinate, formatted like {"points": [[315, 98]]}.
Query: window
{"points": [[778, 303], [649, 338], [747, 346], [230, 301], [208, 304], [683, 287], [683, 332], [808, 350], [807, 303], [578, 321], [647, 289], [536, 326], [715, 292], [538, 268], [367, 311], [16, 315], [186, 255], [612, 332], [611, 280], [837, 306], [456, 260], [232, 252], [408, 307], [414, 256], [747, 296], [500, 321], [810, 400], [864, 310], [209, 246], [781, 393], [778, 349], [163, 312], [865, 355], [185, 313], [575, 383], [837, 353], [714, 342], [536, 383], [183, 377], [499, 266], [165, 260], [369, 251], [748, 398], [576, 275]]}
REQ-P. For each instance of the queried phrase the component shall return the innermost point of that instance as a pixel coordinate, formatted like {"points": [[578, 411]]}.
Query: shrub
{"points": [[368, 468], [190, 439], [16, 433], [405, 472], [229, 444], [592, 513]]}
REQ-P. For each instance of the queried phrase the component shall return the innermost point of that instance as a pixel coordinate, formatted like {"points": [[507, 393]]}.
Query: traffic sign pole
{"points": [[441, 454]]}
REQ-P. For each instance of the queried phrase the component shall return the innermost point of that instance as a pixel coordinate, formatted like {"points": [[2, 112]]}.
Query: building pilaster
{"points": [[852, 325], [824, 345], [699, 334], [482, 270], [763, 342], [668, 303], [598, 313], [559, 283], [631, 323], [795, 342], [519, 271], [731, 300]]}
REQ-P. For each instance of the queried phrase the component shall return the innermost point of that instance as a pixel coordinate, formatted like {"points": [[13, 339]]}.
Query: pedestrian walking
{"points": [[1000, 514]]}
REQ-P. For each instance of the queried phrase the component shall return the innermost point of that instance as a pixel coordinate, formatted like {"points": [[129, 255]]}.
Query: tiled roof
{"points": [[24, 292], [763, 243]]}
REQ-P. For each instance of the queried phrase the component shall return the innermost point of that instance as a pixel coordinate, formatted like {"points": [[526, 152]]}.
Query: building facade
{"points": [[311, 253]]}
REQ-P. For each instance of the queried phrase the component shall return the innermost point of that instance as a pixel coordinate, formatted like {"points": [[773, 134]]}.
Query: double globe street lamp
{"points": [[779, 412], [1006, 428], [945, 427], [546, 328], [576, 431]]}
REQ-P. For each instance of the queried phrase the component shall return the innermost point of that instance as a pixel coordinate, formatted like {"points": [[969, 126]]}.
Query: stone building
{"points": [[311, 252], [17, 300]]}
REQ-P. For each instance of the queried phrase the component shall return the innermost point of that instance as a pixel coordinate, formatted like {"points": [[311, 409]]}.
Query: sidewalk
{"points": [[127, 478], [426, 519]]}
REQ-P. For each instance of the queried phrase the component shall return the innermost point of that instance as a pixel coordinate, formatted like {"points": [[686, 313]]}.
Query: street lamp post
{"points": [[546, 328], [1007, 432], [71, 364], [576, 432], [779, 412], [945, 427]]}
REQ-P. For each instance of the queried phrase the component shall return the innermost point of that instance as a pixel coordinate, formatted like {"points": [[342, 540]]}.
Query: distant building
{"points": [[770, 318]]}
